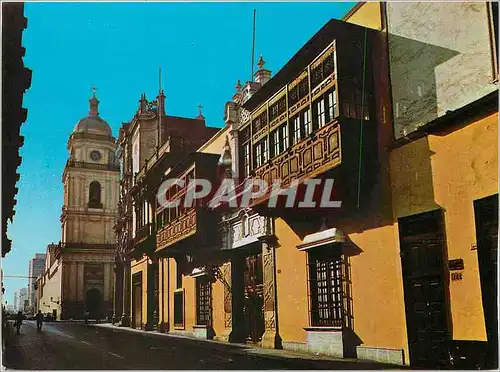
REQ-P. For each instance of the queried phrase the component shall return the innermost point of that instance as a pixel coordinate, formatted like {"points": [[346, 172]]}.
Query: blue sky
{"points": [[203, 49]]}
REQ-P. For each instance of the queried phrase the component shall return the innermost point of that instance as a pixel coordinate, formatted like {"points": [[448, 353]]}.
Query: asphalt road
{"points": [[79, 346]]}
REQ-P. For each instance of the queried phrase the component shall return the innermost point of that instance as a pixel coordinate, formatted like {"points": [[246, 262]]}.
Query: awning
{"points": [[324, 237]]}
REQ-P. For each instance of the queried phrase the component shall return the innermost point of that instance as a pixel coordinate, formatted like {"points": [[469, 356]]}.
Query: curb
{"points": [[243, 349]]}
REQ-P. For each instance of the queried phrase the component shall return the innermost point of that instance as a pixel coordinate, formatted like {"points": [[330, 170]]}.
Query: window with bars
{"points": [[203, 301], [259, 122], [277, 108], [323, 70], [325, 287]]}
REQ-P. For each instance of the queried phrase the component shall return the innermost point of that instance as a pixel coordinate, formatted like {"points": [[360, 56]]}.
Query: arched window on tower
{"points": [[95, 195]]}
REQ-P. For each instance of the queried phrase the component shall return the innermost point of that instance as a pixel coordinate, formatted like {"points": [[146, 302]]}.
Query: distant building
{"points": [[23, 297], [35, 269], [16, 301]]}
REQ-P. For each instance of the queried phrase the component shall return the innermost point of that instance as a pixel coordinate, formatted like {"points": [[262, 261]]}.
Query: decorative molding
{"points": [[246, 229]]}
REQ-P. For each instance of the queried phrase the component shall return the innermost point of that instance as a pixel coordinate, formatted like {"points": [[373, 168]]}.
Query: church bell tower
{"points": [[91, 186]]}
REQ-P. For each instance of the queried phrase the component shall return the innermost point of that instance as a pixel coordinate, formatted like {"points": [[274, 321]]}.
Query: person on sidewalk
{"points": [[19, 320], [39, 320]]}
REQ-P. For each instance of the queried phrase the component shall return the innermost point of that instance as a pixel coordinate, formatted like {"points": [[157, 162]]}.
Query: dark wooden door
{"points": [[253, 308], [422, 246], [137, 300], [486, 214]]}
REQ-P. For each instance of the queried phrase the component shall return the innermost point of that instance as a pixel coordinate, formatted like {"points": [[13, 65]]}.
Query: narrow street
{"points": [[79, 346]]}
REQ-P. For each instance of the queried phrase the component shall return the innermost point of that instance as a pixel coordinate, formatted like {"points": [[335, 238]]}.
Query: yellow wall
{"points": [[215, 144], [138, 266], [189, 285], [218, 307], [291, 281], [377, 290], [367, 15], [375, 274], [450, 171]]}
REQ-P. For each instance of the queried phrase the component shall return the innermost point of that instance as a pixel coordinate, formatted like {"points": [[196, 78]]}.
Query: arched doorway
{"points": [[93, 303]]}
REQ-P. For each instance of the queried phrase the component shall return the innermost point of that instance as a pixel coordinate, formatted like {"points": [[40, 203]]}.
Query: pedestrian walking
{"points": [[39, 320], [19, 320]]}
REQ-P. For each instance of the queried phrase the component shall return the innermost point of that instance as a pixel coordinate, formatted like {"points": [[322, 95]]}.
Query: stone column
{"points": [[270, 338], [118, 295], [125, 321]]}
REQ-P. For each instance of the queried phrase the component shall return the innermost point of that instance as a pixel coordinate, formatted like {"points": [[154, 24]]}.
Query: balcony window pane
{"points": [[258, 155], [307, 122], [296, 129], [320, 112], [246, 159], [265, 150], [276, 142], [332, 105], [284, 137]]}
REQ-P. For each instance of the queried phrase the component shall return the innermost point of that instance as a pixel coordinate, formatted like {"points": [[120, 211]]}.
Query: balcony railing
{"points": [[82, 164], [181, 228], [81, 245]]}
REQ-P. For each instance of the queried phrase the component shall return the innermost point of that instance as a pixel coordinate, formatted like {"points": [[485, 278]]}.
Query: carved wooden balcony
{"points": [[181, 228], [193, 227], [311, 156]]}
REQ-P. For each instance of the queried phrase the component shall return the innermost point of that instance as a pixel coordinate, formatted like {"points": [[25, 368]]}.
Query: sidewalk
{"points": [[246, 349]]}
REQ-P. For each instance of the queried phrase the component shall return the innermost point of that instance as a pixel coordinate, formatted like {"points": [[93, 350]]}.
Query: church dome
{"points": [[93, 123]]}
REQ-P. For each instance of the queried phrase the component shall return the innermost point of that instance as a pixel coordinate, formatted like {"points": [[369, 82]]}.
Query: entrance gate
{"points": [[422, 252]]}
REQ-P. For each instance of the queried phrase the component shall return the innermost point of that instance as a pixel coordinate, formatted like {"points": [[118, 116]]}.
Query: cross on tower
{"points": [[199, 109], [94, 89]]}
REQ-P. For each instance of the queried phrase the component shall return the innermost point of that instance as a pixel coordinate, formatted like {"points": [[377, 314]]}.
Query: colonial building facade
{"points": [[150, 144], [80, 267], [403, 271]]}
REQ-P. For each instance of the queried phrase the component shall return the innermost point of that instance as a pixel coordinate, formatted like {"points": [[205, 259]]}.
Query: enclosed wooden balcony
{"points": [[316, 117], [184, 228]]}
